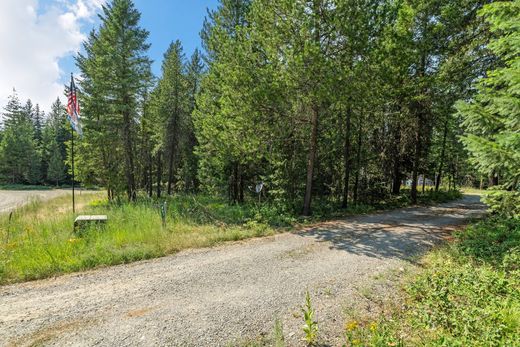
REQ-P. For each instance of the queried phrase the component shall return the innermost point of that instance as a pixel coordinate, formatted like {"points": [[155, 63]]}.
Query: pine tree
{"points": [[190, 163], [115, 71], [19, 158], [492, 116], [38, 126], [172, 106], [55, 131], [56, 170]]}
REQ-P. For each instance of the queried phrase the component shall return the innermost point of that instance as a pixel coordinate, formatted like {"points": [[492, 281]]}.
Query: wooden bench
{"points": [[82, 221]]}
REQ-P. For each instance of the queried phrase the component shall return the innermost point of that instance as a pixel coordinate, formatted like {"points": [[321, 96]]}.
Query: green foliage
{"points": [[23, 187], [115, 73], [467, 295], [504, 203], [56, 169], [492, 116], [310, 328], [38, 242], [19, 156], [56, 134], [169, 123], [346, 116]]}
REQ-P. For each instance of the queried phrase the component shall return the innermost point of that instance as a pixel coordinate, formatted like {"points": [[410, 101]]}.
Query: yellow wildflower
{"points": [[373, 326], [352, 325]]}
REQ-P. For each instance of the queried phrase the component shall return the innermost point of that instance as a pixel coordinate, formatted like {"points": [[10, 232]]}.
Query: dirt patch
{"points": [[139, 313], [43, 336]]}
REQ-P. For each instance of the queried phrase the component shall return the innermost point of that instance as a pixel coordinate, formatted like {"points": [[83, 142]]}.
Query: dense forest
{"points": [[343, 101]]}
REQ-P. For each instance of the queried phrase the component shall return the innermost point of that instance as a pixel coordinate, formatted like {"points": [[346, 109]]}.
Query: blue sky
{"points": [[167, 21], [38, 59]]}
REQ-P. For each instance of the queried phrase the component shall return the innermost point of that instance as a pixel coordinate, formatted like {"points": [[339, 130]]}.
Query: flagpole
{"points": [[72, 156]]}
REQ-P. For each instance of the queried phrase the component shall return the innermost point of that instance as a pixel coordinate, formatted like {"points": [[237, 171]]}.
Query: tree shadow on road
{"points": [[400, 234]]}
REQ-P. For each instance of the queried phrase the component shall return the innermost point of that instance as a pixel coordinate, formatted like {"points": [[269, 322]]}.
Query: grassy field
{"points": [[466, 294], [37, 241]]}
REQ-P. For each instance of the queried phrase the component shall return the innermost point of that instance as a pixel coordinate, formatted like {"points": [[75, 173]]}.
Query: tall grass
{"points": [[39, 241]]}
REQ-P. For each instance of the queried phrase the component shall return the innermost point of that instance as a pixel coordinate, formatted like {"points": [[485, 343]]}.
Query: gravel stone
{"points": [[234, 292]]}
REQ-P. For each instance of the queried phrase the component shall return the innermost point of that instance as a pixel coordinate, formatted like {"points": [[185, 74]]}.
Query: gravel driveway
{"points": [[225, 295], [12, 199]]}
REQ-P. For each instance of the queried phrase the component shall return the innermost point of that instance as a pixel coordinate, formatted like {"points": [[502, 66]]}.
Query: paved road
{"points": [[223, 295], [12, 199]]}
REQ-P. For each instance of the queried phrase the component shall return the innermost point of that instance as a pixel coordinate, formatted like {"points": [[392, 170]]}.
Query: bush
{"points": [[503, 203]]}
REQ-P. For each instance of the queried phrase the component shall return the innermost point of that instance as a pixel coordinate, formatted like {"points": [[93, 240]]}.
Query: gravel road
{"points": [[12, 199], [224, 295]]}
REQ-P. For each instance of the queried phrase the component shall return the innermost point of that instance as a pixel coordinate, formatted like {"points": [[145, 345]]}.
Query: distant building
{"points": [[427, 182]]}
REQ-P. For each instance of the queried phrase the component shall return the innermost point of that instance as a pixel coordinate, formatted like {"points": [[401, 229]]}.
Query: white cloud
{"points": [[33, 39]]}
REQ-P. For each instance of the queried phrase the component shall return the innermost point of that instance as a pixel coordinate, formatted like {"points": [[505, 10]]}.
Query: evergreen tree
{"points": [[56, 131], [115, 71], [56, 166], [492, 117], [171, 108], [38, 125], [188, 142], [19, 158]]}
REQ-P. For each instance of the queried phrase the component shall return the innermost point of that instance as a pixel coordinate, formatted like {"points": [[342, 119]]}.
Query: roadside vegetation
{"points": [[38, 241], [466, 294]]}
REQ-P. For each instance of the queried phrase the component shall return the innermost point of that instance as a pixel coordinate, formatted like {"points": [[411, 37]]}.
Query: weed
{"points": [[310, 328], [278, 335]]}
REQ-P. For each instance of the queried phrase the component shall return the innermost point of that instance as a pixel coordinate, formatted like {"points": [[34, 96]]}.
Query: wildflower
{"points": [[352, 325], [73, 240], [373, 326]]}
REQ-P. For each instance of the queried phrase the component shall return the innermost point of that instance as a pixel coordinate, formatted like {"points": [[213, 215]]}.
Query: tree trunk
{"points": [[241, 186], [159, 174], [170, 168], [313, 143], [441, 161], [358, 163], [396, 184], [346, 158], [235, 182], [150, 174], [129, 157], [416, 162]]}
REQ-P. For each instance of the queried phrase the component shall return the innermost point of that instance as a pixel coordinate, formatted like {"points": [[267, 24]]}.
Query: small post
{"points": [[258, 190], [72, 156], [163, 209]]}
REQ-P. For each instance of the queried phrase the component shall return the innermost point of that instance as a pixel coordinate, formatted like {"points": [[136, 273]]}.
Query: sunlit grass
{"points": [[473, 191], [39, 240]]}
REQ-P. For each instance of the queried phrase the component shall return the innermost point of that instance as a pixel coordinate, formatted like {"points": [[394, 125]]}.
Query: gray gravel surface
{"points": [[12, 199], [232, 293]]}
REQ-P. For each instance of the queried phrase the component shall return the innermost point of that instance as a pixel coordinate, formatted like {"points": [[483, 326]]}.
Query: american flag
{"points": [[73, 108]]}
